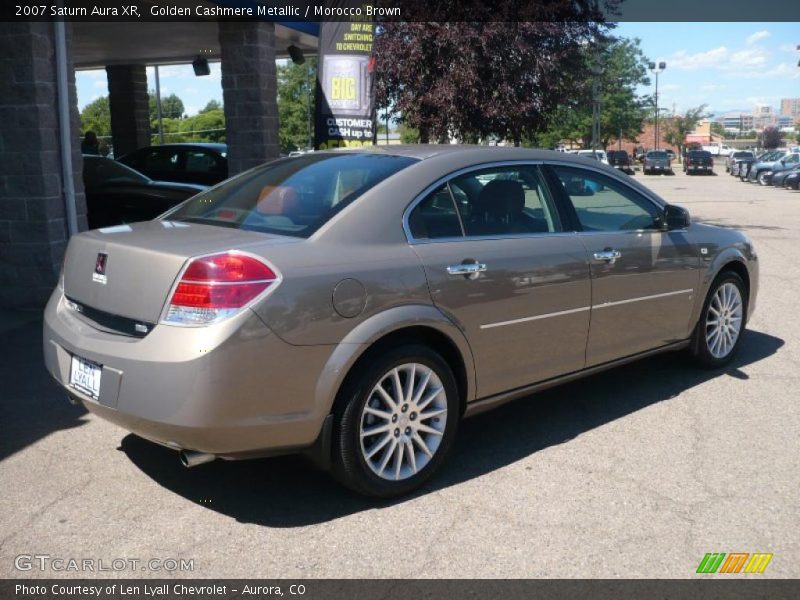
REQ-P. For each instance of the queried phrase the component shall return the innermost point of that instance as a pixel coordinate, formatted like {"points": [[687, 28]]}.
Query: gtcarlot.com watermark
{"points": [[59, 564]]}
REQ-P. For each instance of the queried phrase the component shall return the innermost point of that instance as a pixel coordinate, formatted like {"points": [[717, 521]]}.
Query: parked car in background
{"points": [[285, 310], [762, 171], [734, 156], [792, 180], [595, 154], [620, 159], [117, 194], [778, 177], [656, 161], [748, 163], [670, 154], [201, 163], [698, 161]]}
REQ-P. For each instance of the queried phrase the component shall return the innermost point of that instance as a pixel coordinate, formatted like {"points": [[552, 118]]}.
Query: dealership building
{"points": [[41, 191]]}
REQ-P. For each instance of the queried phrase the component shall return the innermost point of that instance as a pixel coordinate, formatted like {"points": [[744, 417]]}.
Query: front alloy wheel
{"points": [[395, 421], [762, 178], [719, 331]]}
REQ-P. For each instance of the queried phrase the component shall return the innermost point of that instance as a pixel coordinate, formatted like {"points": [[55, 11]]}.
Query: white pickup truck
{"points": [[718, 149]]}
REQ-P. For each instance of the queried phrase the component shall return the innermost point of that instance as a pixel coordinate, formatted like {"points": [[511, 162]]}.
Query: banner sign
{"points": [[345, 105]]}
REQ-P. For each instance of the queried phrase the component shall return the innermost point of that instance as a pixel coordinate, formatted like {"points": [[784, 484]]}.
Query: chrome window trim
{"points": [[646, 193]]}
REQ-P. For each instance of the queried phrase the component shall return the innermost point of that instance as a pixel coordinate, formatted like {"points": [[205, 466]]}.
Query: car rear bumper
{"points": [[234, 389]]}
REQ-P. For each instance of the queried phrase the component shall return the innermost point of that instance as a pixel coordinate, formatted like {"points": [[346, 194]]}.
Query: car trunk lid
{"points": [[129, 270]]}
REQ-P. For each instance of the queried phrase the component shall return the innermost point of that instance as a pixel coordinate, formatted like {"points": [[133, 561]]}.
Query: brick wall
{"points": [[33, 230], [249, 90]]}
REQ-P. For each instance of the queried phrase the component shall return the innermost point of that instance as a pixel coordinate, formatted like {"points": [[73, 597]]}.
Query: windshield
{"points": [[293, 196]]}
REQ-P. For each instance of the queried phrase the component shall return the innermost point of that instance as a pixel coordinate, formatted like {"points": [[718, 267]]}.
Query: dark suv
{"points": [[619, 159]]}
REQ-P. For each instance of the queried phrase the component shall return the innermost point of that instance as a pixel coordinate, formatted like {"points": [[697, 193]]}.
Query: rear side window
{"points": [[436, 216], [293, 196], [504, 201]]}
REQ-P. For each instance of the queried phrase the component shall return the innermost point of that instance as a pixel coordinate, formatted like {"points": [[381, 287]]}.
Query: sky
{"points": [[727, 66]]}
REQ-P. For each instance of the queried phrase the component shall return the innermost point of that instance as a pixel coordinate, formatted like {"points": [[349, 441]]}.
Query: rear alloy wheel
{"points": [[719, 331], [398, 423]]}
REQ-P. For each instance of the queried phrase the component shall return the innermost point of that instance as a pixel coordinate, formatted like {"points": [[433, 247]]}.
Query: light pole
{"points": [[597, 70], [657, 69]]}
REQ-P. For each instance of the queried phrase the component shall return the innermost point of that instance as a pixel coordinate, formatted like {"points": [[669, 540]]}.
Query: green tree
{"points": [[96, 116], [408, 135], [212, 105], [296, 105], [676, 129], [171, 108], [620, 67], [207, 126], [718, 129]]}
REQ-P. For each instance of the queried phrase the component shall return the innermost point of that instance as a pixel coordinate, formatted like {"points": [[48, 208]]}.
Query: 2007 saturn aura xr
{"points": [[355, 305]]}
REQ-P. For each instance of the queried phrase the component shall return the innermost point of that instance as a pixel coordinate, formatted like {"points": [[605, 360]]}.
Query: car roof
{"points": [[467, 152]]}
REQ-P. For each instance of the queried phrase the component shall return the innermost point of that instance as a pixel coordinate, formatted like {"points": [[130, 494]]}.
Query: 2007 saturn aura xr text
{"points": [[355, 305]]}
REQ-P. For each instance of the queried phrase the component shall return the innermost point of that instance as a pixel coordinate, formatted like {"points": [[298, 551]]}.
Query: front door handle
{"points": [[469, 270], [608, 256]]}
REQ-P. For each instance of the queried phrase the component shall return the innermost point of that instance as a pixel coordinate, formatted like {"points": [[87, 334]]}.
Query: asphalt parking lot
{"points": [[636, 472]]}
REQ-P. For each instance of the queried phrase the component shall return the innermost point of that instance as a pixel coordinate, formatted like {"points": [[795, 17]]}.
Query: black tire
{"points": [[349, 465], [698, 348]]}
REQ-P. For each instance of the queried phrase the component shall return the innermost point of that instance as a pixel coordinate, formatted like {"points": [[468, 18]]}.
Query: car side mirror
{"points": [[676, 217]]}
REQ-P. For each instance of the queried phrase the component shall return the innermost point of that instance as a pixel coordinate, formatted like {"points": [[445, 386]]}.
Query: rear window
{"points": [[617, 154], [293, 196], [699, 154], [742, 155], [656, 155]]}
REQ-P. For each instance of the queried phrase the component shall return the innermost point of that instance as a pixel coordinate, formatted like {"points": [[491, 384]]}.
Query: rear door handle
{"points": [[608, 255], [469, 270]]}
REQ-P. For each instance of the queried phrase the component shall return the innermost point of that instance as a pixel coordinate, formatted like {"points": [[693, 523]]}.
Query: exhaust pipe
{"points": [[190, 458]]}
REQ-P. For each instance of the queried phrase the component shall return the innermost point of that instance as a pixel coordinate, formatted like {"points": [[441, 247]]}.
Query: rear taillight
{"points": [[215, 287]]}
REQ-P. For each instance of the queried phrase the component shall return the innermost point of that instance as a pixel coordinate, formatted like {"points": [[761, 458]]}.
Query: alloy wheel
{"points": [[724, 320], [403, 421]]}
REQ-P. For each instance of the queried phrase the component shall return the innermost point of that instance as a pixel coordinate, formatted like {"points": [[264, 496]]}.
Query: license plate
{"points": [[85, 376]]}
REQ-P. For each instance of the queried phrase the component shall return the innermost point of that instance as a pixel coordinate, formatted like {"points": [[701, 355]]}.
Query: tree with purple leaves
{"points": [[472, 80]]}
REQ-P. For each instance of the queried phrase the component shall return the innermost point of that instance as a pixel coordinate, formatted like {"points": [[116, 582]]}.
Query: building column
{"points": [[33, 229], [249, 91], [130, 107]]}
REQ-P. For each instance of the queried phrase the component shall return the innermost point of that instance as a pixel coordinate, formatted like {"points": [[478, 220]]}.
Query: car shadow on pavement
{"points": [[289, 492], [32, 405]]}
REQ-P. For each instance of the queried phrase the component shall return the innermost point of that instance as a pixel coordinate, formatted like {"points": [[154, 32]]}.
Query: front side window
{"points": [[294, 196], [198, 161], [603, 204]]}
